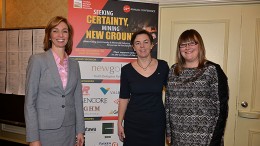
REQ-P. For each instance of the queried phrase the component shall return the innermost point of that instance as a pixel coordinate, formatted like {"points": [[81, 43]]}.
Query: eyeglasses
{"points": [[184, 45]]}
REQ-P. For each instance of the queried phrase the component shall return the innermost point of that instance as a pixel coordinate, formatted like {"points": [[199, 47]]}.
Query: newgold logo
{"points": [[104, 90]]}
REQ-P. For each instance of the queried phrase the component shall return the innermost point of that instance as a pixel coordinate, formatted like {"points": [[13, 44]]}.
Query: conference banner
{"points": [[101, 45], [104, 28]]}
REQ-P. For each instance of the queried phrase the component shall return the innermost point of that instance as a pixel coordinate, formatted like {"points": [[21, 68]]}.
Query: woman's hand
{"points": [[121, 132], [80, 139], [168, 139], [35, 143]]}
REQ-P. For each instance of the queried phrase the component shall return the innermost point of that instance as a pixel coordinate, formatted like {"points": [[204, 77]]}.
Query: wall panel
{"points": [[33, 13]]}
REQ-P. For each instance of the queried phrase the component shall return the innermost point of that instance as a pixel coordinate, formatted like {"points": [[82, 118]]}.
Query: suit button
{"points": [[63, 96], [63, 106]]}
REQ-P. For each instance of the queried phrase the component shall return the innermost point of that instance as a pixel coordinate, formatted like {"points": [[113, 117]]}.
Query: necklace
{"points": [[144, 68]]}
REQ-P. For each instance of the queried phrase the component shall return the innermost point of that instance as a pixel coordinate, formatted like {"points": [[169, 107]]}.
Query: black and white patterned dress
{"points": [[196, 106]]}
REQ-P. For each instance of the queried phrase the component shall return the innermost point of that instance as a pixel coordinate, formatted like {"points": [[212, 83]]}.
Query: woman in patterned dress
{"points": [[196, 100]]}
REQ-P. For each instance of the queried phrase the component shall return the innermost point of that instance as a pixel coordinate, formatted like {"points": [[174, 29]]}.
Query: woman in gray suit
{"points": [[53, 100]]}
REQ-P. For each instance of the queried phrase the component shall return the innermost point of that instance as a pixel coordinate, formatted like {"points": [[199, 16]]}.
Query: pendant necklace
{"points": [[144, 68]]}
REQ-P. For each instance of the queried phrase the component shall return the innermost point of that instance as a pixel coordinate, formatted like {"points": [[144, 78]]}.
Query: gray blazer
{"points": [[47, 104]]}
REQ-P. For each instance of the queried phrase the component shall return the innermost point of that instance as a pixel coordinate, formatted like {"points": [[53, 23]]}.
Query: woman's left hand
{"points": [[80, 139]]}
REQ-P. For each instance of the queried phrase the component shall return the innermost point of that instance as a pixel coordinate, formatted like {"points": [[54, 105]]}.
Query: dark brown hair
{"points": [[141, 32], [186, 36], [53, 23]]}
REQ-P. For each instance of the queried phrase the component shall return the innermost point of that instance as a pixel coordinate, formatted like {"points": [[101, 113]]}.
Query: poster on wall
{"points": [[104, 28], [101, 45]]}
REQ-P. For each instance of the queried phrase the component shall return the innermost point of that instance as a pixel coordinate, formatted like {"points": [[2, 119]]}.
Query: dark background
{"points": [[12, 109]]}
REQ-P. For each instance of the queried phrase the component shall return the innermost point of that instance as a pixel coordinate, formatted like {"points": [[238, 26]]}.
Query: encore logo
{"points": [[95, 100]]}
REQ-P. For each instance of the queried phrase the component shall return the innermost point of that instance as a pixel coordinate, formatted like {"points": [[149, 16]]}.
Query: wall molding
{"points": [[13, 129]]}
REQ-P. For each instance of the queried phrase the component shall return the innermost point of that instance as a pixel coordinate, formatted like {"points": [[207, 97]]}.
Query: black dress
{"points": [[144, 121]]}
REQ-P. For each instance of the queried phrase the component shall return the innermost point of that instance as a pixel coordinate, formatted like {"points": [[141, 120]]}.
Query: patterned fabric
{"points": [[196, 106]]}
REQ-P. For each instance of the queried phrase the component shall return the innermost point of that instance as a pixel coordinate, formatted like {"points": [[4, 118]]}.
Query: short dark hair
{"points": [[141, 32]]}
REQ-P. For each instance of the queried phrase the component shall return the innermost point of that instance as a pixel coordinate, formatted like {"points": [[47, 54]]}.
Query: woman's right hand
{"points": [[121, 132], [168, 140], [35, 143]]}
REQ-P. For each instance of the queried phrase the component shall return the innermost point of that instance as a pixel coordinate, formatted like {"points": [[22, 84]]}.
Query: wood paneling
{"points": [[33, 13]]}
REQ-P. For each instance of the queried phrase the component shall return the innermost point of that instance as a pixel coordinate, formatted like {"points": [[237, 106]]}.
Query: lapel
{"points": [[70, 68], [54, 69]]}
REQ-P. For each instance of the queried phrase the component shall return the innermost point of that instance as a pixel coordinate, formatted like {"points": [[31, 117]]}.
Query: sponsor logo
{"points": [[85, 90], [91, 108], [114, 92], [107, 90], [91, 114], [90, 130], [116, 101], [126, 8], [107, 136], [107, 68], [95, 100], [113, 112], [107, 128], [104, 90], [104, 143]]}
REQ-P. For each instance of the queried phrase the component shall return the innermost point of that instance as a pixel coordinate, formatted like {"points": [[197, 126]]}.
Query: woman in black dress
{"points": [[141, 113]]}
